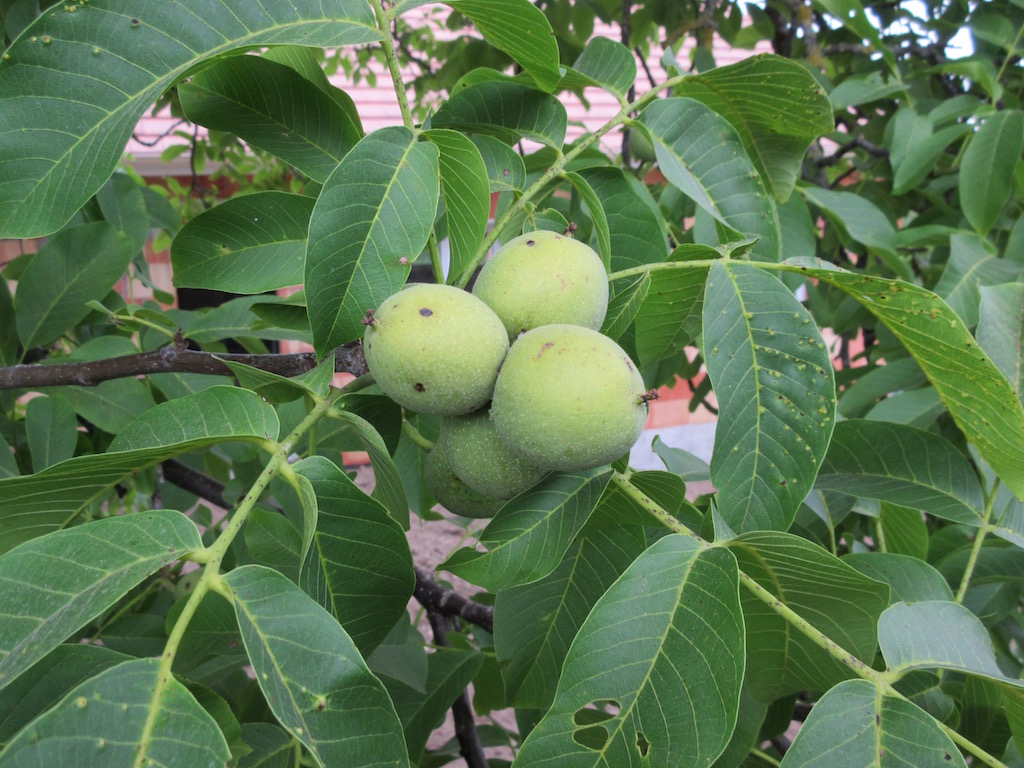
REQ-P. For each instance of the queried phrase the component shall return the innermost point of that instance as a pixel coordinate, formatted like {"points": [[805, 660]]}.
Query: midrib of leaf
{"points": [[129, 104], [563, 599], [757, 383], [540, 521], [374, 222], [627, 711]]}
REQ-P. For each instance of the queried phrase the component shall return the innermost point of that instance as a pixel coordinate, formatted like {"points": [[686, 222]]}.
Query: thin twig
{"points": [[470, 748], [171, 359]]}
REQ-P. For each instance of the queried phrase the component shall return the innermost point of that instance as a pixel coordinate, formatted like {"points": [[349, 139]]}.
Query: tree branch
{"points": [[434, 597], [171, 359], [462, 711]]}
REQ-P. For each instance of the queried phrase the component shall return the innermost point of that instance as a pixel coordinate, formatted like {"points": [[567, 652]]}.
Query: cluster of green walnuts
{"points": [[524, 382]]}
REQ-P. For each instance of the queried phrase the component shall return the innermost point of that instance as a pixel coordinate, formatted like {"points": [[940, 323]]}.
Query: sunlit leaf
{"points": [[673, 622]]}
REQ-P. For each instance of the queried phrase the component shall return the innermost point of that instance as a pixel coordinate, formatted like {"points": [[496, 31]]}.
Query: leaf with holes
{"points": [[672, 623], [535, 623], [772, 375], [128, 58]]}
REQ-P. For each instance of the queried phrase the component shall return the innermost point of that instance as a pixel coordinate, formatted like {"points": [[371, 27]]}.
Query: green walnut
{"points": [[544, 278], [568, 398], [453, 494], [435, 349], [481, 460]]}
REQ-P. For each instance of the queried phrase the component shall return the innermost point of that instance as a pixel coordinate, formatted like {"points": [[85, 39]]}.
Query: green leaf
{"points": [[530, 534], [773, 378], [8, 325], [597, 215], [194, 419], [75, 266], [667, 321], [521, 30], [636, 232], [122, 204], [128, 59], [682, 463], [986, 171], [467, 197], [111, 405], [374, 213], [902, 465], [34, 692], [862, 221], [905, 530], [672, 625], [977, 395], [839, 601], [388, 488], [247, 244], [272, 540], [911, 580], [273, 107], [609, 64], [701, 154], [505, 109], [271, 747], [56, 583], [315, 681], [506, 171], [359, 566], [776, 107], [936, 634], [33, 505], [450, 672], [1001, 331], [307, 62], [52, 430], [123, 715], [534, 624], [627, 296], [972, 264], [854, 725], [922, 157]]}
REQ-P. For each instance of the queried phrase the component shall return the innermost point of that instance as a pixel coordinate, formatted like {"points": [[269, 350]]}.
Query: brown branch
{"points": [[434, 597], [171, 359], [470, 748]]}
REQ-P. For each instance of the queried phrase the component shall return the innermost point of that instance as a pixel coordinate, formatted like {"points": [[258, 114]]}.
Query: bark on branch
{"points": [[171, 359]]}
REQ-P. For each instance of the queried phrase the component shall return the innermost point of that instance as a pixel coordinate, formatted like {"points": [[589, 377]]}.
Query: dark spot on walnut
{"points": [[419, 387], [426, 312]]}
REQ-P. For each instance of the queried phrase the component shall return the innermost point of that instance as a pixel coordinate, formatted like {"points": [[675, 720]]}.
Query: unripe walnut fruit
{"points": [[481, 460], [453, 494], [435, 349], [568, 398], [543, 278]]}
